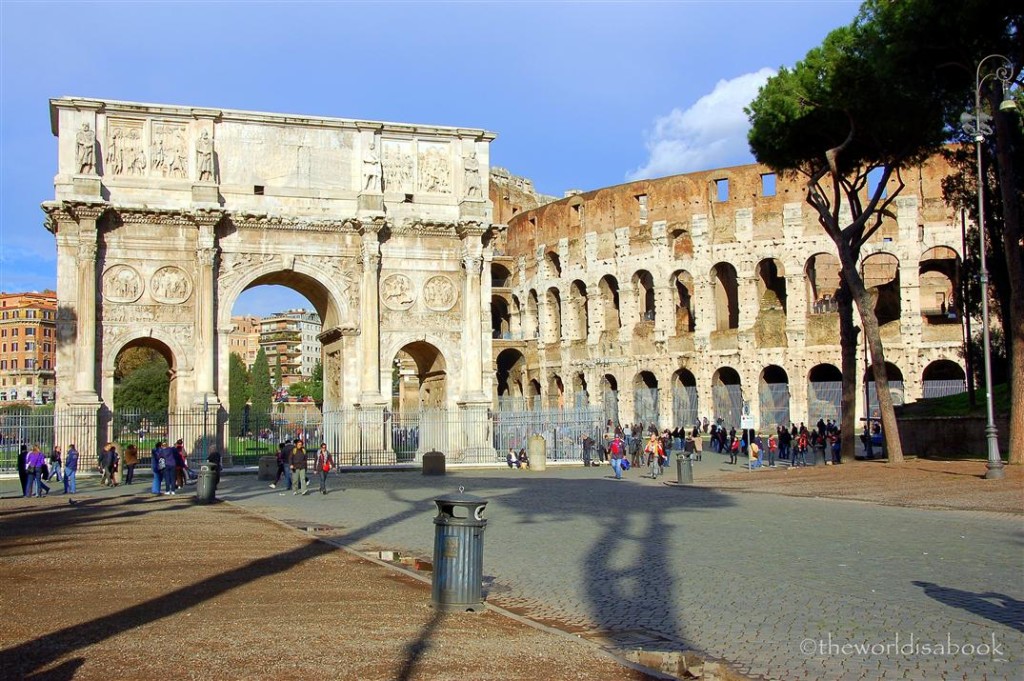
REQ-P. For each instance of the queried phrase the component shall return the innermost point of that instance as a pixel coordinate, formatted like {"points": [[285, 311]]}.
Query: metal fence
{"points": [[824, 401], [895, 391], [356, 438], [684, 405], [930, 389], [774, 404], [728, 404]]}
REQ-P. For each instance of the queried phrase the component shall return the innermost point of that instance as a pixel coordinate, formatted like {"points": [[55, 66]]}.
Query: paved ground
{"points": [[783, 587]]}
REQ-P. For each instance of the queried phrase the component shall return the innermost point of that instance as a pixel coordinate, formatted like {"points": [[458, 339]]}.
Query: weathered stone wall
{"points": [[730, 241]]}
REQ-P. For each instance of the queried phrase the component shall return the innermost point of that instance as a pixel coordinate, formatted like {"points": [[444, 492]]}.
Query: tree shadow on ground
{"points": [[993, 606]]}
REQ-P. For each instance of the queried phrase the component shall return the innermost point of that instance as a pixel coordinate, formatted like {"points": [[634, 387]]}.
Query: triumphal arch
{"points": [[163, 215]]}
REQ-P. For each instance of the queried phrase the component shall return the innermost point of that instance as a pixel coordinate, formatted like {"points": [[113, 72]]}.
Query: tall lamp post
{"points": [[979, 126]]}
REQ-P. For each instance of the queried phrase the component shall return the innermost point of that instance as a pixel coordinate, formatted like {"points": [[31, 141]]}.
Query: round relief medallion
{"points": [[122, 284], [439, 293], [170, 285], [396, 292]]}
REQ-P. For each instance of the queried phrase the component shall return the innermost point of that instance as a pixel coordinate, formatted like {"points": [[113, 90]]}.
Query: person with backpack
{"points": [[617, 452], [284, 452], [71, 471], [154, 462]]}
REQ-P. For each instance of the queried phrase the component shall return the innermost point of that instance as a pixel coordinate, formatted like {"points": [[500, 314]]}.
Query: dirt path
{"points": [[145, 588]]}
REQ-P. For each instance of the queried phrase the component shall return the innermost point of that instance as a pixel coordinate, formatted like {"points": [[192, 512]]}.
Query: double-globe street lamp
{"points": [[978, 124]]}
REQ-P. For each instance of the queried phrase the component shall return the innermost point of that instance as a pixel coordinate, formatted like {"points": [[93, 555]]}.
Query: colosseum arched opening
{"points": [[645, 399], [685, 402], [727, 397], [773, 397], [824, 393]]}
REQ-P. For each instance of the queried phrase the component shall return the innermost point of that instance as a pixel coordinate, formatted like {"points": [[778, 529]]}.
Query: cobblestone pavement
{"points": [[781, 587]]}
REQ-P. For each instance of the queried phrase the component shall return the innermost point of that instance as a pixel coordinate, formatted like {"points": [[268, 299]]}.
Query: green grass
{"points": [[959, 405]]}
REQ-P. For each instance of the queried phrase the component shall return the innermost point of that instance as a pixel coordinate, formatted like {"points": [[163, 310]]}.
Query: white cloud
{"points": [[710, 134]]}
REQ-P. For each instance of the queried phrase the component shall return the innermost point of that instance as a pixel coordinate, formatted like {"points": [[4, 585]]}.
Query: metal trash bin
{"points": [[537, 450], [433, 463], [817, 455], [206, 486], [267, 468], [684, 468], [458, 553]]}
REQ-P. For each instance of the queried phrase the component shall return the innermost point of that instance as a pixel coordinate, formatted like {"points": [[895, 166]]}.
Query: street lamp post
{"points": [[979, 126]]}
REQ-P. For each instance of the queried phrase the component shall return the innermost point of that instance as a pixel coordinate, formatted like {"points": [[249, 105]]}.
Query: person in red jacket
{"points": [[324, 464]]}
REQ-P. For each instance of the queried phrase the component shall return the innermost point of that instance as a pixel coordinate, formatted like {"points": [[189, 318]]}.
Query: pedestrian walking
{"points": [[298, 466], [56, 462], [34, 462], [617, 452], [131, 460], [324, 464], [22, 467], [71, 471]]}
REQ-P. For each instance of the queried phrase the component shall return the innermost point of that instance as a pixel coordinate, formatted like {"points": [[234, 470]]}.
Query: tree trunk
{"points": [[1014, 326], [848, 347]]}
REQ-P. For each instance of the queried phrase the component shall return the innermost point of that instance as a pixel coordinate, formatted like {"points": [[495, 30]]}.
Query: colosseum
{"points": [[712, 293]]}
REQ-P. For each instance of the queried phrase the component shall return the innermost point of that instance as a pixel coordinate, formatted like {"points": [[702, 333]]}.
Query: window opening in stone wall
{"points": [[641, 200], [768, 184], [258, 190], [874, 178], [533, 222], [722, 190]]}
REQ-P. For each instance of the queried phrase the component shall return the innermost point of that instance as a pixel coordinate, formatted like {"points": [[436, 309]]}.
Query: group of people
{"points": [[293, 463], [518, 459], [35, 469], [170, 468]]}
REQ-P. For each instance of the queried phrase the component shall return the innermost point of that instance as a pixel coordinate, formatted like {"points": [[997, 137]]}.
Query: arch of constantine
{"points": [[657, 301]]}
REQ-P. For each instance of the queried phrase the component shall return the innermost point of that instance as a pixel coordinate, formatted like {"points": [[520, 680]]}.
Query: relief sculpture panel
{"points": [[397, 292], [435, 169], [398, 167], [122, 284], [126, 153], [439, 293], [169, 150], [170, 285]]}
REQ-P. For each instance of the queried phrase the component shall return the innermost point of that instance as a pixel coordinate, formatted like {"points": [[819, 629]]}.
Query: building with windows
{"points": [[28, 347], [244, 338], [291, 338], [713, 293]]}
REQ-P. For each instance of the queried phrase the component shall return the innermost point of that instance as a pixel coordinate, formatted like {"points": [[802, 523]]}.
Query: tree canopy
{"points": [[262, 391]]}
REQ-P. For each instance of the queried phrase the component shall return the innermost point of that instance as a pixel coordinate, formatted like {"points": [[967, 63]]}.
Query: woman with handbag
{"points": [[324, 464]]}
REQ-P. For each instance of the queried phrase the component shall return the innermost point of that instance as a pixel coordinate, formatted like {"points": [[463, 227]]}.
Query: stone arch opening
{"points": [[580, 391], [643, 288], [511, 380], [645, 399], [516, 318], [822, 276], [554, 264], [581, 311], [773, 397], [144, 391], [725, 293], [556, 392], [941, 378], [881, 272], [554, 316], [727, 397], [501, 318], [683, 296], [501, 276], [610, 400], [532, 324], [423, 378], [939, 281], [533, 396], [824, 393], [154, 357], [895, 378], [771, 286], [685, 406], [609, 289]]}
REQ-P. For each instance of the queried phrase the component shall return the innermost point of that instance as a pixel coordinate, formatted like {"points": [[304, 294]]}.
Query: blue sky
{"points": [[582, 95]]}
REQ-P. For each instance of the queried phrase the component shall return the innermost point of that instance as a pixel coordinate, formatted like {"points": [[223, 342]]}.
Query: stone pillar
{"points": [[206, 322], [369, 314], [664, 312], [749, 304], [703, 311], [796, 310], [472, 369], [85, 306]]}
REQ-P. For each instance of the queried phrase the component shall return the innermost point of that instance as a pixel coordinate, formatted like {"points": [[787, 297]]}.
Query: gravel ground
{"points": [[143, 588]]}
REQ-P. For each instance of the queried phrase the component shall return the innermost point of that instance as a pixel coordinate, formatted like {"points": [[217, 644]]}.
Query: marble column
{"points": [[85, 306], [369, 313], [472, 341], [206, 341]]}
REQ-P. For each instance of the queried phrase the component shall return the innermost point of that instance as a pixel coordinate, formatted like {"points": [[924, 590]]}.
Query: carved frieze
{"points": [[398, 166], [170, 285], [126, 153], [169, 151], [449, 322], [233, 263], [147, 313], [439, 293], [435, 169], [396, 291], [122, 284], [339, 271]]}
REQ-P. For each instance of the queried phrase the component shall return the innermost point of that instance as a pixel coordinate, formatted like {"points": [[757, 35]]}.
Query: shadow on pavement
{"points": [[992, 606]]}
